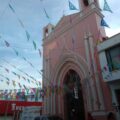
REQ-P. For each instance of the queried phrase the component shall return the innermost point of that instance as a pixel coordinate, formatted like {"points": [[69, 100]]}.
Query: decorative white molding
{"points": [[97, 79]]}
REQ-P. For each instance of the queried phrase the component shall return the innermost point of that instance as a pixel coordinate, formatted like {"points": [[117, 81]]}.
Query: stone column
{"points": [[97, 80]]}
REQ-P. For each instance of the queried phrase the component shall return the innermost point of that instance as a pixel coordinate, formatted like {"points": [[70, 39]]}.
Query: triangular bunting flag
{"points": [[27, 91], [1, 80], [6, 70], [36, 83], [36, 95], [19, 85], [32, 81], [7, 82], [28, 80], [71, 6], [30, 64], [23, 77], [46, 14], [24, 58], [24, 86], [10, 6], [34, 45], [14, 84], [39, 52], [18, 76], [16, 52], [103, 23], [7, 44], [21, 23], [28, 35], [33, 89], [14, 73], [39, 83], [7, 78], [106, 7]]}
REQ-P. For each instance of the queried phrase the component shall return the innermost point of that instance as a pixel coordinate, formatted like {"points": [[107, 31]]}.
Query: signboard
{"points": [[10, 107], [29, 113]]}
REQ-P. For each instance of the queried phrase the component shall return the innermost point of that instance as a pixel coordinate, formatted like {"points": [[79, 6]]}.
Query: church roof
{"points": [[65, 19]]}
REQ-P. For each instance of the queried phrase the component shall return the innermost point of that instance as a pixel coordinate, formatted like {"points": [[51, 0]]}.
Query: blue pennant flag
{"points": [[7, 78], [7, 43], [24, 58], [28, 35], [16, 52], [24, 86], [46, 14], [10, 6], [103, 23], [71, 6], [1, 80], [30, 64], [21, 23], [28, 80], [34, 44], [14, 73], [106, 7]]}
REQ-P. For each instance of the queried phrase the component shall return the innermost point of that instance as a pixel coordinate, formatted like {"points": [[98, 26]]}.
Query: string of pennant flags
{"points": [[45, 92], [35, 94], [51, 89], [15, 83], [24, 73], [28, 39], [20, 76], [23, 26], [45, 12], [28, 36], [7, 44], [15, 67], [71, 7], [108, 9], [16, 52], [30, 64]]}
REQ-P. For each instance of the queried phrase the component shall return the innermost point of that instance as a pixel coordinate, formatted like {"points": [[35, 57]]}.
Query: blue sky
{"points": [[31, 13]]}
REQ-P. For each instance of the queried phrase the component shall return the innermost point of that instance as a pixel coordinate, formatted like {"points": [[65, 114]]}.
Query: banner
{"points": [[13, 106]]}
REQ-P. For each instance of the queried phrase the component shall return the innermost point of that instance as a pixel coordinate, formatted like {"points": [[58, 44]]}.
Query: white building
{"points": [[109, 55]]}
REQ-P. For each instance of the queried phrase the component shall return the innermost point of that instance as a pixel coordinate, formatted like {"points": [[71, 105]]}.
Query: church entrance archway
{"points": [[73, 97]]}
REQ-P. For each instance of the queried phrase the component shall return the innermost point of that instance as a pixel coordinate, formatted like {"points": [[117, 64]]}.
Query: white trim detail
{"points": [[100, 95]]}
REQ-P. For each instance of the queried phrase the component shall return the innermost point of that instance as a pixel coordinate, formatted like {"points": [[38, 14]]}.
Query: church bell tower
{"points": [[85, 3]]}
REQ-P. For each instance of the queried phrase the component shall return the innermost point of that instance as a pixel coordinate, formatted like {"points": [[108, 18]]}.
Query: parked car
{"points": [[45, 117]]}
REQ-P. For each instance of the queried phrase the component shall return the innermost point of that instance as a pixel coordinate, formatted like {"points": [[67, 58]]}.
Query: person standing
{"points": [[111, 116], [90, 117]]}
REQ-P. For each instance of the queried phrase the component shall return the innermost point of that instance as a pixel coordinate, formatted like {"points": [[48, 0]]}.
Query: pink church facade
{"points": [[71, 70]]}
